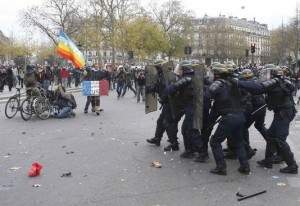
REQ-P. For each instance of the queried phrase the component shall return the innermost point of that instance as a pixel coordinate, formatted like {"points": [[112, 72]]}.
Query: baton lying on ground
{"points": [[242, 197]]}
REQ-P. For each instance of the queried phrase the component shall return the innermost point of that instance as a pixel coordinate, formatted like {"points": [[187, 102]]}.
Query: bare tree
{"points": [[52, 16], [176, 22]]}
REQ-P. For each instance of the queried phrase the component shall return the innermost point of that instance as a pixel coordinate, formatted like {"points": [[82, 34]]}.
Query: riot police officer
{"points": [[227, 103], [165, 121], [183, 88], [256, 115], [279, 99]]}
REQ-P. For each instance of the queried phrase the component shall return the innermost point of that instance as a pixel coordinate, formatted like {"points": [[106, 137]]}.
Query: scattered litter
{"points": [[23, 132], [6, 156], [122, 180], [92, 134], [171, 159], [156, 164], [135, 143], [14, 168], [68, 174], [43, 133], [275, 177], [64, 146], [84, 129], [71, 152], [84, 175], [59, 130], [281, 184], [36, 185], [19, 142], [165, 152], [35, 169]]}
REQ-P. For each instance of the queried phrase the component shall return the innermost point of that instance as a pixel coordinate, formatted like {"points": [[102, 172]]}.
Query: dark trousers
{"points": [[259, 123], [205, 126], [278, 132], [231, 126], [88, 102], [165, 122], [129, 86], [191, 137]]}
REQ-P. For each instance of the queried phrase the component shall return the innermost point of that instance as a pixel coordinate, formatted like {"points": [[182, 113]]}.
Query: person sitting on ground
{"points": [[65, 102]]}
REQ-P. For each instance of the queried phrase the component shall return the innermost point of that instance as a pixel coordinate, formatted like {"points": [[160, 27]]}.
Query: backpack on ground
{"points": [[72, 102]]}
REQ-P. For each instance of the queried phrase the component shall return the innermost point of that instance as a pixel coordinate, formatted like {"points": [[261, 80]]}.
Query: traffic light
{"points": [[130, 54], [188, 50], [252, 48]]}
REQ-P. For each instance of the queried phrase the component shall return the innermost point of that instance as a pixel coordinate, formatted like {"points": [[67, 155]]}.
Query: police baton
{"points": [[213, 124], [259, 109]]}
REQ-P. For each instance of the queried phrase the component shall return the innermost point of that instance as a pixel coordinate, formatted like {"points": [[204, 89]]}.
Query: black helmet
{"points": [[158, 63], [222, 69], [195, 62], [247, 73], [186, 67], [273, 69]]}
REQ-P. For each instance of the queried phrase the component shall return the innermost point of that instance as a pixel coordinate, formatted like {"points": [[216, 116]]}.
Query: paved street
{"points": [[109, 161]]}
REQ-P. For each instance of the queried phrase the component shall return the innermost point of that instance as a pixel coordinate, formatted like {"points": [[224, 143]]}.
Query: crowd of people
{"points": [[233, 99]]}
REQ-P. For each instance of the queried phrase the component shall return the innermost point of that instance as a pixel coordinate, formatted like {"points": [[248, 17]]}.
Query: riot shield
{"points": [[150, 98], [169, 78], [264, 75], [198, 96]]}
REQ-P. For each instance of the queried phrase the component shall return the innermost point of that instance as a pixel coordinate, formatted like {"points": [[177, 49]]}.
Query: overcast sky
{"points": [[271, 12]]}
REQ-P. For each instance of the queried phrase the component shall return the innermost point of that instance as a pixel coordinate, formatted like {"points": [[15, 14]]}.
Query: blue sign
{"points": [[90, 88]]}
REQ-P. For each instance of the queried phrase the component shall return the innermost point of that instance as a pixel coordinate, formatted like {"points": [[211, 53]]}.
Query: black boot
{"points": [[265, 163], [245, 169], [172, 147], [202, 156], [219, 170], [154, 140], [172, 136], [230, 155], [187, 154], [290, 169], [250, 153], [277, 159]]}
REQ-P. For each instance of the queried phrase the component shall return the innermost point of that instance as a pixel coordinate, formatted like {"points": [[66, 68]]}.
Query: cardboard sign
{"points": [[95, 88]]}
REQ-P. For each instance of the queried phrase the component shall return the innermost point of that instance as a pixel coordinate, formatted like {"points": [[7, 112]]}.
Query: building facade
{"points": [[229, 39]]}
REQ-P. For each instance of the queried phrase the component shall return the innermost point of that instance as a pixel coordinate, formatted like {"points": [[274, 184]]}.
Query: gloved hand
{"points": [[234, 81]]}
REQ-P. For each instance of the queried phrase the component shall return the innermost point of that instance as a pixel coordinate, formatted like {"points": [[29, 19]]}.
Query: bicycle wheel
{"points": [[26, 109], [42, 108], [11, 107]]}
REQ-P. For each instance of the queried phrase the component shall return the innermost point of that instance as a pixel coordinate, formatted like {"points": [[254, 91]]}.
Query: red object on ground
{"points": [[35, 169]]}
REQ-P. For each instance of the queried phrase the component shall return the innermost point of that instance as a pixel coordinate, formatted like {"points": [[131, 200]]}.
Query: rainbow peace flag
{"points": [[67, 49]]}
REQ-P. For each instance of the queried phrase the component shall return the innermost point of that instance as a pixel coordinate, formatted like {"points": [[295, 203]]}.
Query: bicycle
{"points": [[43, 107], [13, 104], [27, 106]]}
